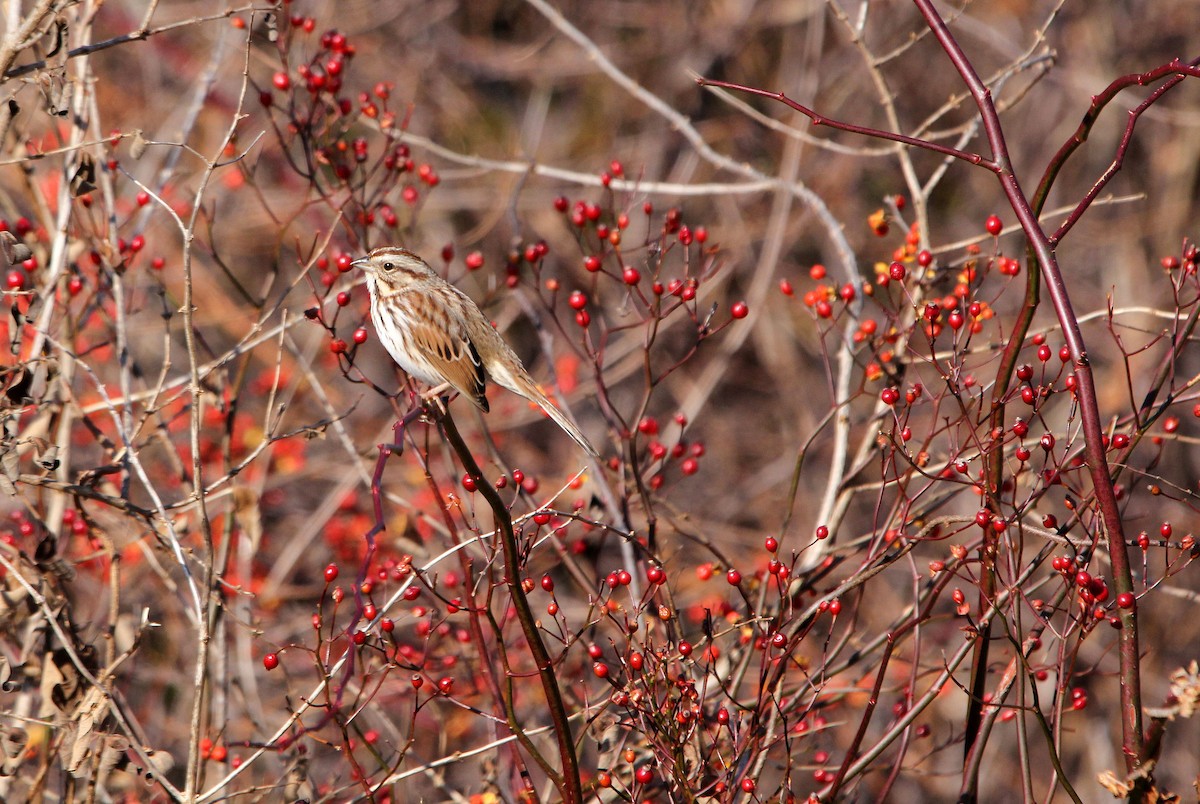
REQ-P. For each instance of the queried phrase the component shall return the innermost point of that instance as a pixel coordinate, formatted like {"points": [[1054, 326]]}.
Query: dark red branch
{"points": [[568, 783], [1177, 72], [1085, 391], [821, 120]]}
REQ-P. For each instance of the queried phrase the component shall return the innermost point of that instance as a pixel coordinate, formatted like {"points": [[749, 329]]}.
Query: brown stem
{"points": [[568, 783]]}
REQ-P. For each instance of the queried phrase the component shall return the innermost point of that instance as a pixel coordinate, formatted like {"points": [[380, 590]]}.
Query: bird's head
{"points": [[393, 267]]}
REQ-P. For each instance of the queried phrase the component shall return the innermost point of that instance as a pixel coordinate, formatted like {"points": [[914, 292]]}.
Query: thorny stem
{"points": [[994, 466], [1131, 713]]}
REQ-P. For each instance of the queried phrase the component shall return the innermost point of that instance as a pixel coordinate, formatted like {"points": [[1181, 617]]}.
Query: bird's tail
{"points": [[519, 382], [569, 427], [530, 391]]}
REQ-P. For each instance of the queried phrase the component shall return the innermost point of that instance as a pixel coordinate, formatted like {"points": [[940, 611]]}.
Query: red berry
{"points": [[739, 310], [993, 225], [631, 276], [897, 271], [331, 573], [281, 81], [577, 301], [733, 577], [1126, 600], [271, 661]]}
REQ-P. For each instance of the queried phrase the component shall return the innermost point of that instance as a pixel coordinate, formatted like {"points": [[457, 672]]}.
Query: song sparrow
{"points": [[440, 337]]}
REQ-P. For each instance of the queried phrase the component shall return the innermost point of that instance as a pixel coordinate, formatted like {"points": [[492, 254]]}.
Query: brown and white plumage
{"points": [[438, 335]]}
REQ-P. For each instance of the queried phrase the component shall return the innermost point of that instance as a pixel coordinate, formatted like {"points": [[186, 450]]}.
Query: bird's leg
{"points": [[436, 393], [435, 400]]}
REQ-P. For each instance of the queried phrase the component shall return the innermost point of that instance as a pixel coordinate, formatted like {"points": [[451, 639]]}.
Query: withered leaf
{"points": [[84, 179], [139, 145], [248, 515], [14, 250]]}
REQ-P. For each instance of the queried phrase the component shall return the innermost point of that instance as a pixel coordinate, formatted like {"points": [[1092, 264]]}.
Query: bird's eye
{"points": [[388, 266]]}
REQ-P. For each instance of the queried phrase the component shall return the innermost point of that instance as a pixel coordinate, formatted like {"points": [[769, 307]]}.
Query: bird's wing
{"points": [[448, 349]]}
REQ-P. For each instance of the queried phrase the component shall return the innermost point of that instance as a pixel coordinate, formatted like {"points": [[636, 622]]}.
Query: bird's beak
{"points": [[361, 262]]}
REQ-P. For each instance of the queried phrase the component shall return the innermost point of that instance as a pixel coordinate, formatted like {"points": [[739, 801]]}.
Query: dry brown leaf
{"points": [[1185, 686], [12, 747], [90, 711], [248, 515]]}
